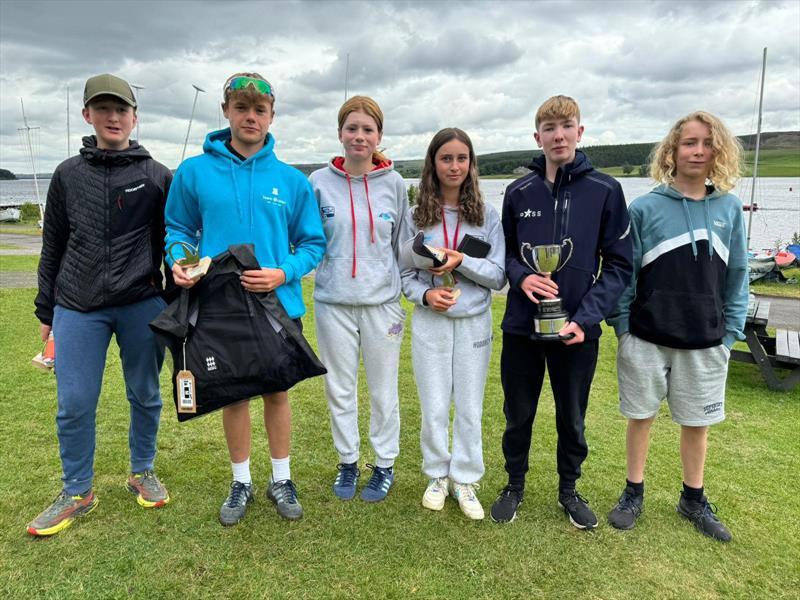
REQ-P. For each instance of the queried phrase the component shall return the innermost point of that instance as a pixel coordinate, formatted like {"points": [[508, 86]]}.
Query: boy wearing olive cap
{"points": [[100, 275]]}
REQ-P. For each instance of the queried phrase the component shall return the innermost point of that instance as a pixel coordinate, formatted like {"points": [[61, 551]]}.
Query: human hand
{"points": [[440, 299], [262, 280], [180, 277], [541, 285], [44, 331], [454, 259], [571, 328]]}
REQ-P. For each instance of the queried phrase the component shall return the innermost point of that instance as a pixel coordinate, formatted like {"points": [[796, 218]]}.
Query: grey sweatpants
{"points": [[375, 332], [451, 358]]}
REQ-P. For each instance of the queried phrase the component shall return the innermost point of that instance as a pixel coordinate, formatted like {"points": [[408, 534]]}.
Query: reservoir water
{"points": [[778, 198]]}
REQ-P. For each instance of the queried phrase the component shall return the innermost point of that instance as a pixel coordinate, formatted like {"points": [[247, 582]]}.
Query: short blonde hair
{"points": [[726, 165], [369, 107], [557, 108]]}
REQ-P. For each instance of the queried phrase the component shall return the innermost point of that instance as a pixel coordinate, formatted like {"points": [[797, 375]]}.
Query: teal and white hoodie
{"points": [[361, 216], [259, 200], [689, 286]]}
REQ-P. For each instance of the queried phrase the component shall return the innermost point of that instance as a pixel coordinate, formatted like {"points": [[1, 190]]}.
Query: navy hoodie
{"points": [[585, 206]]}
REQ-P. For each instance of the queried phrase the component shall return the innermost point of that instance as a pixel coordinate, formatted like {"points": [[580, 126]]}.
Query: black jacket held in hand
{"points": [[239, 344], [103, 236], [589, 208]]}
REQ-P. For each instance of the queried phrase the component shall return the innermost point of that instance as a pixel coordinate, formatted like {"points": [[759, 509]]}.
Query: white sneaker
{"points": [[435, 493], [467, 500]]}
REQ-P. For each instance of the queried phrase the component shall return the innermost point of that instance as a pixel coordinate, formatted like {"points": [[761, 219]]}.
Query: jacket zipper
{"points": [[107, 213]]}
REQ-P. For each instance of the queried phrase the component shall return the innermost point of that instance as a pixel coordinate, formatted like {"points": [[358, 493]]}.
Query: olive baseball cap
{"points": [[108, 85]]}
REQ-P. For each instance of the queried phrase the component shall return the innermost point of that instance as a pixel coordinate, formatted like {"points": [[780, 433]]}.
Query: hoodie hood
{"points": [[215, 145], [379, 168], [96, 155], [712, 194], [577, 167]]}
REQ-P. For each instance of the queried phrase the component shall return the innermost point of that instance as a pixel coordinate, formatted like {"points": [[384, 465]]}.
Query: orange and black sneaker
{"points": [[62, 512], [150, 492]]}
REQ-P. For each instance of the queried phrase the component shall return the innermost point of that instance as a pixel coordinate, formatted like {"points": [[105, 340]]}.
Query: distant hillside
{"points": [[7, 174]]}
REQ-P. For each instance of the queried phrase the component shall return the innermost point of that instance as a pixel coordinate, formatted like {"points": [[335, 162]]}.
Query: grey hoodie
{"points": [[361, 217], [475, 277]]}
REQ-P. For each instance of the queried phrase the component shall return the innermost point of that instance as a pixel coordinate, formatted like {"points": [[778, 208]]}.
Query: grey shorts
{"points": [[692, 381]]}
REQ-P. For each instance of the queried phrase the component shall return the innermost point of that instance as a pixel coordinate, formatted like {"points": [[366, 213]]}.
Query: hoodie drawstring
{"points": [[353, 218], [690, 226], [708, 230], [252, 201], [236, 191]]}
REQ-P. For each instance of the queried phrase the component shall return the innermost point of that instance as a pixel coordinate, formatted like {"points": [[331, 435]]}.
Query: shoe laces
{"points": [[347, 475], [284, 491], [438, 483], [627, 502], [379, 475], [62, 501], [148, 480], [572, 498], [511, 491], [467, 491], [706, 509], [238, 494]]}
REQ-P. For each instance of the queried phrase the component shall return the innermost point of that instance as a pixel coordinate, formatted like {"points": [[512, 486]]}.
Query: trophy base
{"points": [[549, 320]]}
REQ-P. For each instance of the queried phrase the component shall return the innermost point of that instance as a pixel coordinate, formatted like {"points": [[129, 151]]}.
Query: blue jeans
{"points": [[82, 341]]}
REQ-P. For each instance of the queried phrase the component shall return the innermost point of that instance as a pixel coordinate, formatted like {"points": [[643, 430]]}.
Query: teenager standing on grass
{"points": [[362, 202], [99, 275], [685, 307], [238, 192], [451, 336], [563, 198]]}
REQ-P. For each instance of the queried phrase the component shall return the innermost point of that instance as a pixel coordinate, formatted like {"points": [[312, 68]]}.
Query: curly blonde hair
{"points": [[429, 201], [369, 107], [250, 95], [726, 165]]}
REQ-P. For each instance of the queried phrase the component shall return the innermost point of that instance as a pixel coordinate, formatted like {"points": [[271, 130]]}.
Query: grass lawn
{"points": [[19, 263], [395, 549], [776, 288]]}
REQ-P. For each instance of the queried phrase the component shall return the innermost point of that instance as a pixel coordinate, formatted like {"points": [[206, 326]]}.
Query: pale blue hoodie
{"points": [[259, 200]]}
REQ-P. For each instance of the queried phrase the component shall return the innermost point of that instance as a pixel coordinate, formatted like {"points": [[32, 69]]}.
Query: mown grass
{"points": [[395, 549], [18, 263], [777, 288]]}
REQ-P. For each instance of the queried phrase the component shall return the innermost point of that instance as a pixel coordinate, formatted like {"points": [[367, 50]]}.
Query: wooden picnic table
{"points": [[770, 354]]}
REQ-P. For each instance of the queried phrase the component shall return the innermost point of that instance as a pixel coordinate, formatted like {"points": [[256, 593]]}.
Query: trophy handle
{"points": [[525, 260], [190, 253], [569, 255]]}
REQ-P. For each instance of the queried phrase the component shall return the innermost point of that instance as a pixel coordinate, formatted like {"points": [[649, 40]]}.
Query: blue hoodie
{"points": [[259, 200], [689, 287]]}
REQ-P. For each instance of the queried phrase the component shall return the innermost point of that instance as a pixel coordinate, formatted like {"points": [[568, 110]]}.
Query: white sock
{"points": [[280, 469], [241, 471]]}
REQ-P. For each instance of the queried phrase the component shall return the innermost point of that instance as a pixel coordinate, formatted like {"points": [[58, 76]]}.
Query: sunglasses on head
{"points": [[241, 82]]}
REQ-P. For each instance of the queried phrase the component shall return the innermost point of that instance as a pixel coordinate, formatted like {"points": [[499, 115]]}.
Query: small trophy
{"points": [[196, 266], [550, 316]]}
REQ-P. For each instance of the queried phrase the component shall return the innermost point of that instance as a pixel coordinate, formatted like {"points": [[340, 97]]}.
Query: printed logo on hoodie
{"points": [[327, 212], [273, 199]]}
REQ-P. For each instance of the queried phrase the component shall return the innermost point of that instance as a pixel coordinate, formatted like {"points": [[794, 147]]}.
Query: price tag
{"points": [[186, 392]]}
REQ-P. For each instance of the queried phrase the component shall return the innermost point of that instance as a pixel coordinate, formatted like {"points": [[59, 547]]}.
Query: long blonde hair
{"points": [[369, 107], [726, 165], [429, 201]]}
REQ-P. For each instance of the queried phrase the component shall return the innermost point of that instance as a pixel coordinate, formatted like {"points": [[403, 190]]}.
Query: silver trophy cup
{"points": [[550, 316]]}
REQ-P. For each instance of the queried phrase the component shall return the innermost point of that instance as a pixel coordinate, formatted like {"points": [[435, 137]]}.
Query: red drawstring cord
{"points": [[353, 217], [369, 207]]}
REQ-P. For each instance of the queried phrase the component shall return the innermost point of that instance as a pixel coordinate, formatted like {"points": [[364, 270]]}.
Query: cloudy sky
{"points": [[635, 67]]}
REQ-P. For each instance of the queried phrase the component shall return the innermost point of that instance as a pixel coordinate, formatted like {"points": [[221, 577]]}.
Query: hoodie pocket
{"points": [[678, 319]]}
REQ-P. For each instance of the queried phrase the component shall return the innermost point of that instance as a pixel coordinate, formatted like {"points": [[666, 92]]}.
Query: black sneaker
{"points": [[284, 495], [504, 509], [235, 506], [577, 509], [703, 515], [627, 510]]}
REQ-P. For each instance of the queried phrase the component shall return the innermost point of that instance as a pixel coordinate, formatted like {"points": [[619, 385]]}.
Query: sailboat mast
{"points": [[758, 147], [68, 149], [33, 163], [346, 76]]}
